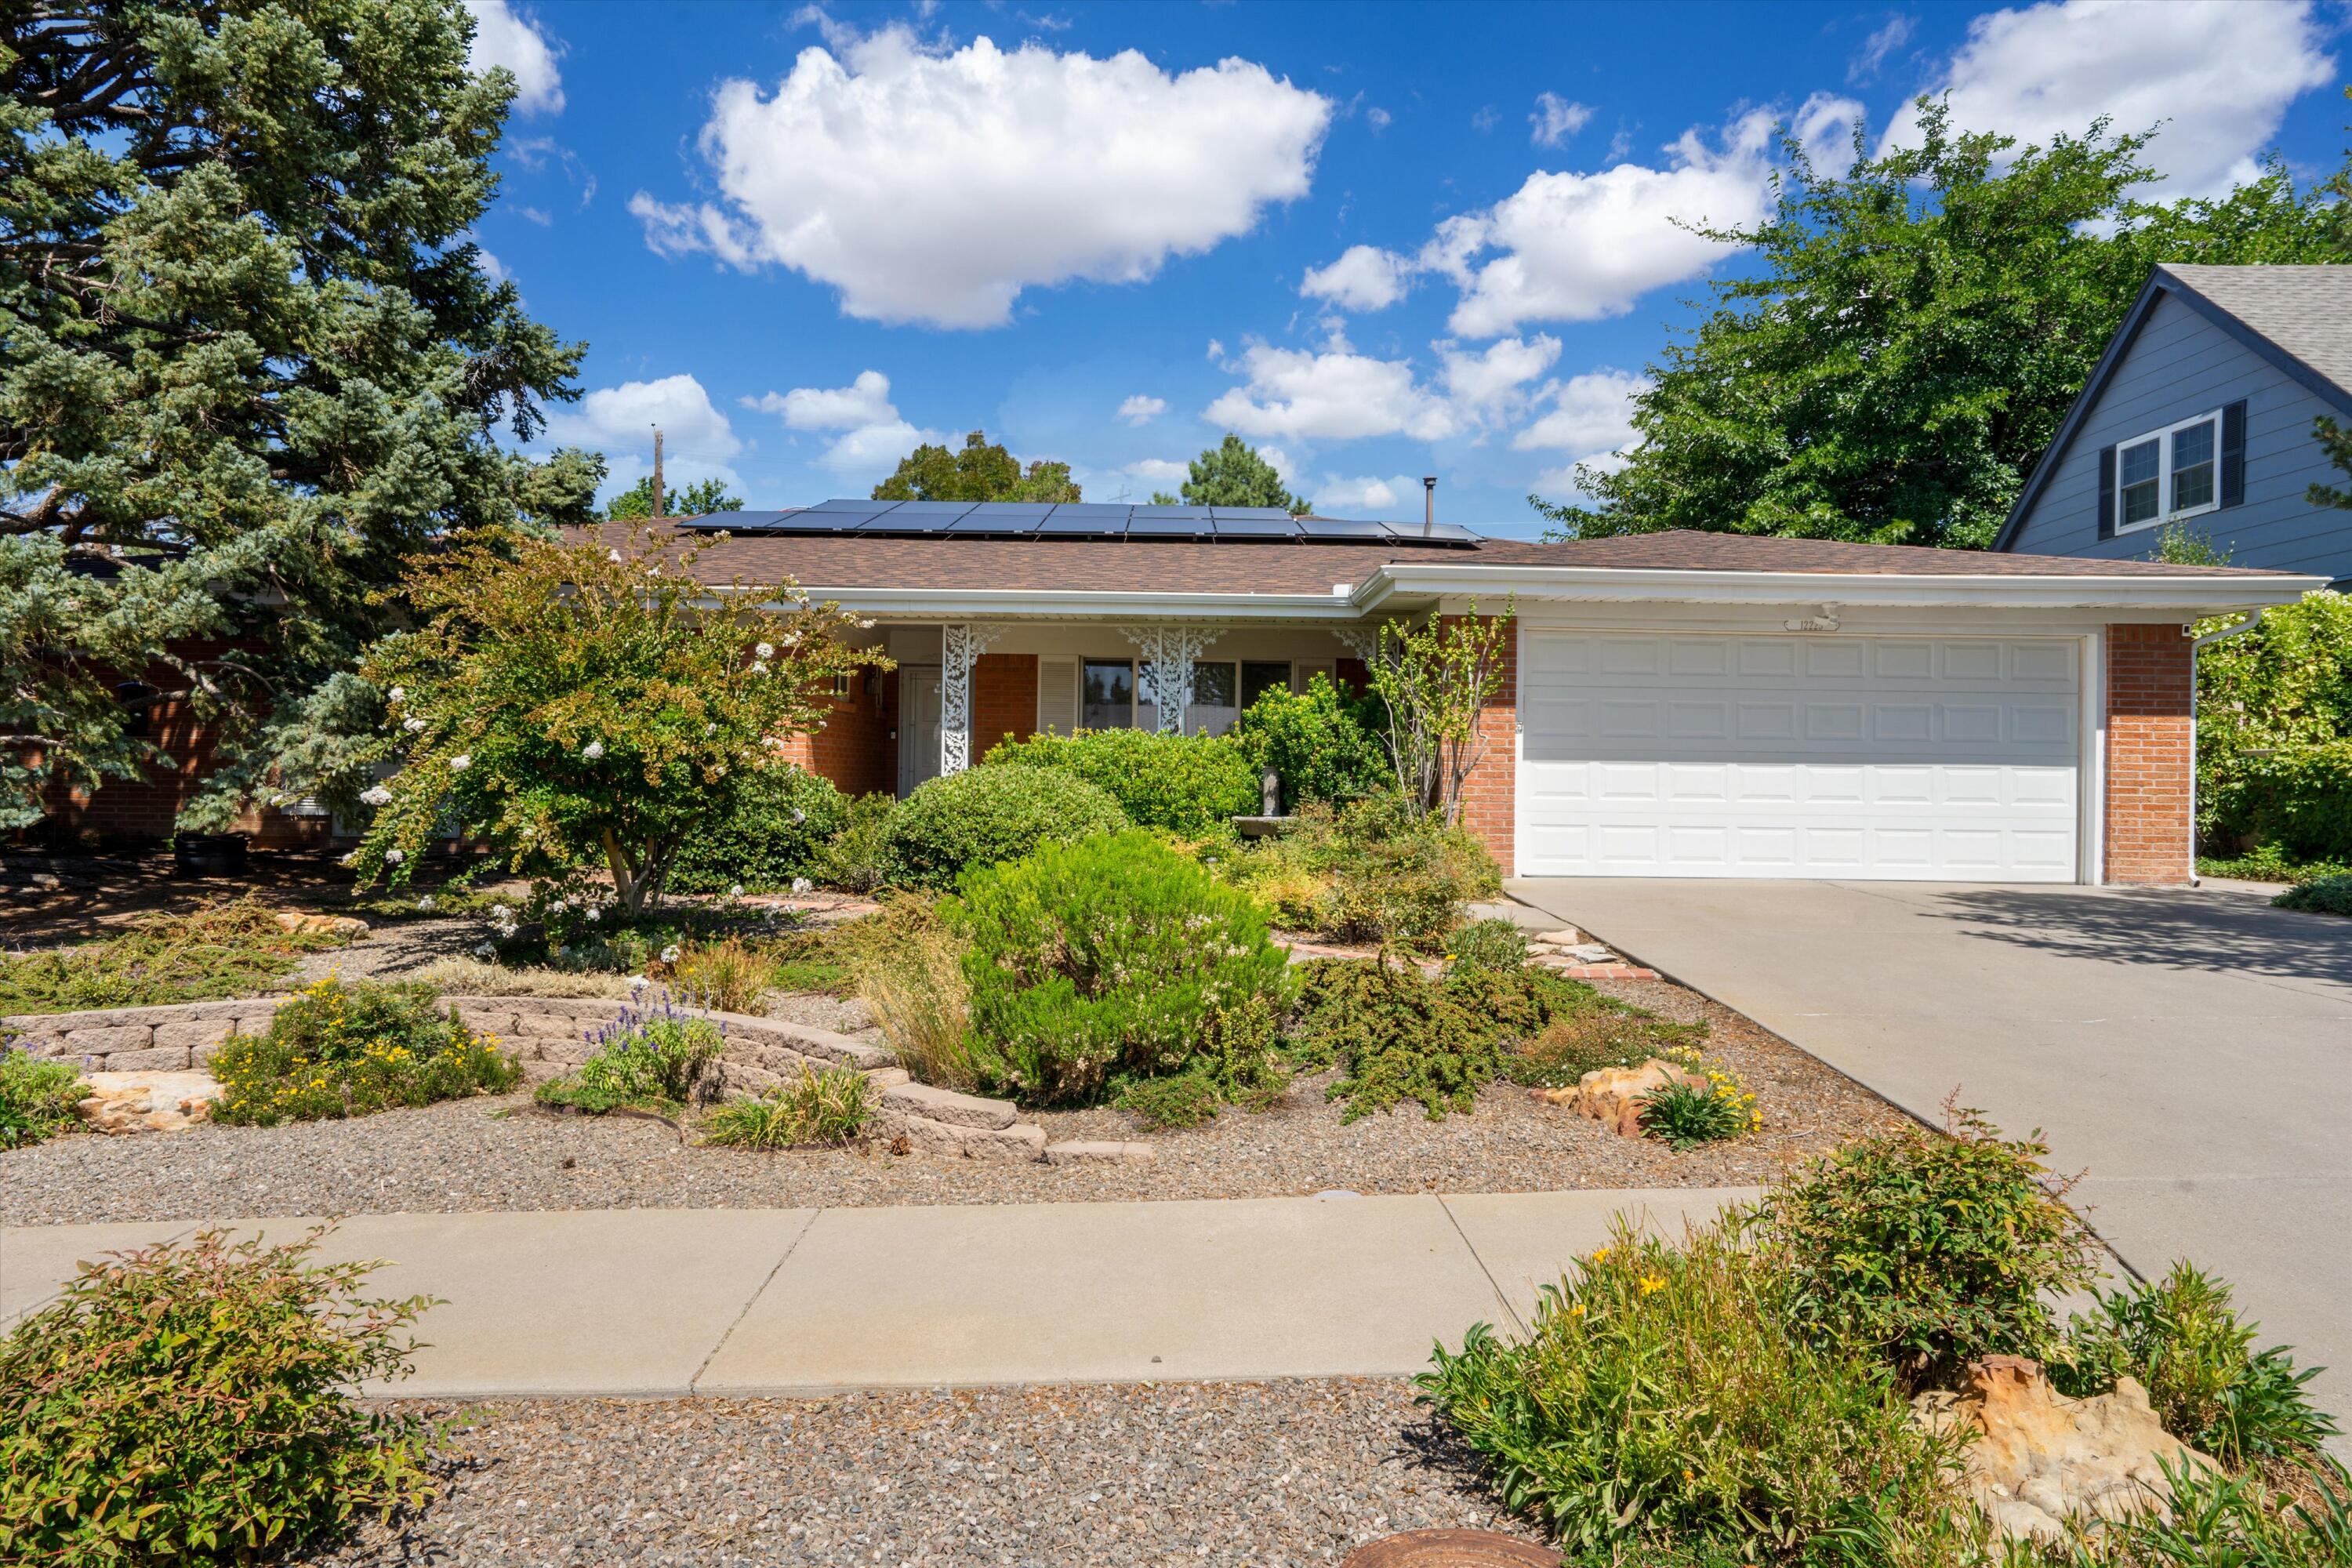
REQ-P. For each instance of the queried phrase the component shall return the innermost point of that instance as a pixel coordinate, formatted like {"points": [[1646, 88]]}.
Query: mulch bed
{"points": [[493, 1153], [1089, 1477]]}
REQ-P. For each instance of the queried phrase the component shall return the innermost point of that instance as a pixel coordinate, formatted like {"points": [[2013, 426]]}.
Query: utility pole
{"points": [[658, 470]]}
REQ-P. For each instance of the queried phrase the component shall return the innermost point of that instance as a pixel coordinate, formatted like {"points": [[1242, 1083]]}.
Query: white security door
{"points": [[1930, 758]]}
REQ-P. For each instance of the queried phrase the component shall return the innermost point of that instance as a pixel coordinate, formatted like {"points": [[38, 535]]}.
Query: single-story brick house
{"points": [[1676, 704]]}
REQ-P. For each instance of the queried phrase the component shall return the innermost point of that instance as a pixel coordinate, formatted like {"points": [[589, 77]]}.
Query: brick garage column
{"points": [[2150, 777], [1490, 794]]}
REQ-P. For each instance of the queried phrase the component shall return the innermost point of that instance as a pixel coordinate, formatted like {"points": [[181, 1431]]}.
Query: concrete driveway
{"points": [[2191, 1048]]}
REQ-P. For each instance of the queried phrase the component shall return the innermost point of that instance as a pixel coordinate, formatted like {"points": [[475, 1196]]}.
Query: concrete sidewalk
{"points": [[668, 1302]]}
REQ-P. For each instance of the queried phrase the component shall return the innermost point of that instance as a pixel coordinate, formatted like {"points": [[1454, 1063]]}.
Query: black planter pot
{"points": [[209, 854]]}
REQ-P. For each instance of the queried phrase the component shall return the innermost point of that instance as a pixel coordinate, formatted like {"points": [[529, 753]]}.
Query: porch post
{"points": [[961, 647], [1170, 651]]}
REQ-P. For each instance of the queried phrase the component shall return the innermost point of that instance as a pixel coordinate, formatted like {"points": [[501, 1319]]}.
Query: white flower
{"points": [[670, 954], [379, 795], [398, 695], [766, 650], [557, 906], [593, 749], [394, 856], [425, 905], [709, 729], [613, 556], [638, 982], [484, 950], [866, 625], [792, 639], [461, 762], [592, 914], [412, 726], [759, 666], [803, 885], [735, 891], [799, 816], [718, 770]]}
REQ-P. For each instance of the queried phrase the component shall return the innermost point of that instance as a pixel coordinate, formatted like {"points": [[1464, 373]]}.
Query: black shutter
{"points": [[2233, 453], [2106, 492]]}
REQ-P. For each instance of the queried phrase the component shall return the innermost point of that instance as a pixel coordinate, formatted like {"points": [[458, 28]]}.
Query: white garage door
{"points": [[1944, 759]]}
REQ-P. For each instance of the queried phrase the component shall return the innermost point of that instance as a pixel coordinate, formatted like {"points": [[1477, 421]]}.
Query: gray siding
{"points": [[2182, 364]]}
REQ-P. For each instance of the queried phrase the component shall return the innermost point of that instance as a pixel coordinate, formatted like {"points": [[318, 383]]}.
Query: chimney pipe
{"points": [[657, 471], [1428, 503]]}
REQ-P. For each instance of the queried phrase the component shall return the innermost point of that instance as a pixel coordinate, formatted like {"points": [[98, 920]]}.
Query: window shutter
{"points": [[2106, 492], [2233, 453], [1057, 696]]}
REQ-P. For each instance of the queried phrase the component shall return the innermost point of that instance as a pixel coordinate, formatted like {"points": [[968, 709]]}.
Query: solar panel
{"points": [[1000, 516], [814, 522], [1092, 520], [1173, 513], [923, 513], [1274, 513], [1078, 521], [1247, 525], [1347, 530], [868, 507], [1142, 527], [1429, 534], [735, 522]]}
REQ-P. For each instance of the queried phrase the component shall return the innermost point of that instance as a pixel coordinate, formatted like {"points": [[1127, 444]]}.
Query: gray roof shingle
{"points": [[2305, 310]]}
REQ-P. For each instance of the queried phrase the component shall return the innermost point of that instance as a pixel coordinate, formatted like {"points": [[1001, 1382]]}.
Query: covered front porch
{"points": [[960, 686]]}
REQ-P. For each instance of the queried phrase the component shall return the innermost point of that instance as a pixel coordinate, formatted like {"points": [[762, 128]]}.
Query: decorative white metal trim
{"points": [[1364, 642], [961, 647], [1170, 650]]}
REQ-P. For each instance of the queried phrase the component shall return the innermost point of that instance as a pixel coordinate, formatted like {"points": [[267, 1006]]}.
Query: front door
{"points": [[919, 726]]}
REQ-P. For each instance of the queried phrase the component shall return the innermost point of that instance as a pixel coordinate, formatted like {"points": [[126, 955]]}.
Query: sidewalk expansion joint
{"points": [[694, 1384], [1492, 1283]]}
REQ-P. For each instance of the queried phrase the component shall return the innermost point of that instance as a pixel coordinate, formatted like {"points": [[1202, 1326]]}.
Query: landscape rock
{"points": [[1026, 1141], [2041, 1459], [1105, 1152], [148, 1101], [1565, 936], [1614, 1096], [946, 1105]]}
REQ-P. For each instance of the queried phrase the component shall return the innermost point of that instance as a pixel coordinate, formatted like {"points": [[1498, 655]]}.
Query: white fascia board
{"points": [[2195, 596], [928, 605]]}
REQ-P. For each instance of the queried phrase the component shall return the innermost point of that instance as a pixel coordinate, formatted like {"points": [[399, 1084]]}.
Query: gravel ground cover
{"points": [[498, 1153], [1266, 1473]]}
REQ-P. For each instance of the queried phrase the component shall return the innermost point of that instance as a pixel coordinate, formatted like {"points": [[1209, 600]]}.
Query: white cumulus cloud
{"points": [[2219, 73], [1365, 277], [870, 435], [934, 186], [1555, 120], [619, 422], [506, 37], [1488, 382], [1160, 468], [1588, 417], [1334, 394], [1339, 497], [1583, 247], [1139, 410]]}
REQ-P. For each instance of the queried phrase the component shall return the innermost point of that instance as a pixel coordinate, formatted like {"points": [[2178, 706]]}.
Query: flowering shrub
{"points": [[650, 1059], [1661, 1401], [772, 830], [1104, 957], [1189, 784], [37, 1096], [335, 1049], [1685, 1116], [190, 1402], [579, 706], [984, 817]]}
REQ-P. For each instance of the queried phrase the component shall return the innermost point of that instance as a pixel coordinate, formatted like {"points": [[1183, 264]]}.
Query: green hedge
{"points": [[772, 831], [1189, 784], [1324, 744], [1107, 958], [984, 815], [2274, 734]]}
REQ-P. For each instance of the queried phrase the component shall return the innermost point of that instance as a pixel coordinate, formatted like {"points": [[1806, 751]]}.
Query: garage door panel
{"points": [[1831, 756]]}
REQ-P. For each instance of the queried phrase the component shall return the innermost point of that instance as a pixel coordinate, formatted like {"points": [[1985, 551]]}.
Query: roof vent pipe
{"points": [[1428, 503]]}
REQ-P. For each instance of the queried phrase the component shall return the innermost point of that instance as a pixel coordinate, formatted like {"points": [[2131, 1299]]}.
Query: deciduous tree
{"points": [[983, 470], [698, 499]]}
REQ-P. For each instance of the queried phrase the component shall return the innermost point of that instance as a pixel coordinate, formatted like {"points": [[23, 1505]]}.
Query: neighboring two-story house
{"points": [[2201, 413]]}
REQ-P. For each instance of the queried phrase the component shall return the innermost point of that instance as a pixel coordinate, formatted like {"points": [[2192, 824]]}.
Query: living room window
{"points": [[2169, 474], [1116, 693]]}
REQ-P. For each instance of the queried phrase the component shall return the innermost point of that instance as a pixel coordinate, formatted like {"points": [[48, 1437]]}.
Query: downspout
{"points": [[2249, 624]]}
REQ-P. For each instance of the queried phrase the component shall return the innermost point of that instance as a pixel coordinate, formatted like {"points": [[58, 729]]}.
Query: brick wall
{"points": [[854, 748], [1490, 796], [1004, 699], [2150, 774]]}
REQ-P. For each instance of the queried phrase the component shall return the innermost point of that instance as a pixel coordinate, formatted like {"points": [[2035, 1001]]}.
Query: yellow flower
{"points": [[1687, 1474], [1576, 1311], [1652, 1283], [1601, 1256]]}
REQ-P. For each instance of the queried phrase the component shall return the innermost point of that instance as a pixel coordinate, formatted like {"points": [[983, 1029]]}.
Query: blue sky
{"points": [[1376, 241]]}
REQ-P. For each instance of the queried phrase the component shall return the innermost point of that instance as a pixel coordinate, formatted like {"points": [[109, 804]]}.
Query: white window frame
{"points": [[2166, 511]]}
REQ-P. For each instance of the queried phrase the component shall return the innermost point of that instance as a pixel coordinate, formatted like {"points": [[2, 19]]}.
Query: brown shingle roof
{"points": [[1139, 565]]}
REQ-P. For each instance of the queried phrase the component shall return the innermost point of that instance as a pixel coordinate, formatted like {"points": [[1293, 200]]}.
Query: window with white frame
{"points": [[2169, 474]]}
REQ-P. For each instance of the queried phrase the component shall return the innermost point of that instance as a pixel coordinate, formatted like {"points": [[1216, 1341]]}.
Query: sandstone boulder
{"points": [[303, 922], [1614, 1096], [148, 1101], [2042, 1460]]}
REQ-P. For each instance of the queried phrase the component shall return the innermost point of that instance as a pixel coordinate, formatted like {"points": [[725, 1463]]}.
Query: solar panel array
{"points": [[1020, 519]]}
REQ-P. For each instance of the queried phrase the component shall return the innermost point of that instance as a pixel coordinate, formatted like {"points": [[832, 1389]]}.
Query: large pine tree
{"points": [[252, 364]]}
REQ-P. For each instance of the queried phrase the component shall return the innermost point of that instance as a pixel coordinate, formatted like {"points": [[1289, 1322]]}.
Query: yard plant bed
{"points": [[493, 1153], [1268, 1474]]}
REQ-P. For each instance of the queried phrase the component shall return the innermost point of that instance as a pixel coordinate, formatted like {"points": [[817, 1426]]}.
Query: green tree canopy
{"points": [[983, 470], [1912, 334], [1230, 474], [636, 503], [252, 365]]}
